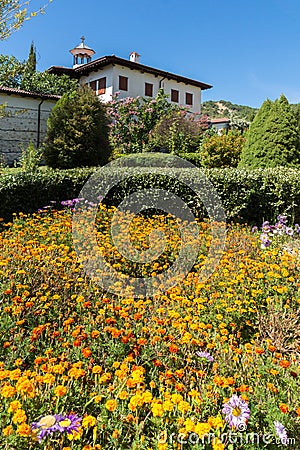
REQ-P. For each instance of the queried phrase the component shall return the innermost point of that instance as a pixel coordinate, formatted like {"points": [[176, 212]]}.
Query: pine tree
{"points": [[273, 137]]}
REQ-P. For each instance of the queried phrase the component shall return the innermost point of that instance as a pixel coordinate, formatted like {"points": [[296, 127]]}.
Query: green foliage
{"points": [[48, 83], [30, 67], [222, 150], [250, 196], [30, 158], [178, 132], [132, 119], [77, 134], [28, 191], [11, 71], [13, 13], [21, 75], [273, 137]]}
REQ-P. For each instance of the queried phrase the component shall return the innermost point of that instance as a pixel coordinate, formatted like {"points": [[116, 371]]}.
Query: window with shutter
{"points": [[174, 95], [149, 89], [123, 83], [93, 85], [101, 85], [188, 98]]}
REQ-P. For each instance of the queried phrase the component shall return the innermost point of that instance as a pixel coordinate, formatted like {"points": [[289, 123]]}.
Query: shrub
{"points": [[222, 150], [132, 119], [77, 134], [178, 132], [30, 158], [247, 195], [29, 191], [273, 137]]}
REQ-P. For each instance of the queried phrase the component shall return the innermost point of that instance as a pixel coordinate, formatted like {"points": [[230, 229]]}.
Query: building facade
{"points": [[110, 75], [24, 120]]}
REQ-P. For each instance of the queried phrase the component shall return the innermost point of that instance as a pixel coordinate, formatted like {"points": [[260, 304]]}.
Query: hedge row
{"points": [[247, 195]]}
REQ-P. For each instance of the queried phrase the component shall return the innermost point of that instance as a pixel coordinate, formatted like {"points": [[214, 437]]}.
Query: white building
{"points": [[109, 75], [24, 121]]}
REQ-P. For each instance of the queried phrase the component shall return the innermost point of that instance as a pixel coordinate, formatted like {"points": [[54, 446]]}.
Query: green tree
{"points": [[178, 132], [48, 83], [77, 134], [11, 71], [273, 137], [30, 67], [222, 150], [13, 13]]}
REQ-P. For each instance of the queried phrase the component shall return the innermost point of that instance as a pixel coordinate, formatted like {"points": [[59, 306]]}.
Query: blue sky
{"points": [[247, 49]]}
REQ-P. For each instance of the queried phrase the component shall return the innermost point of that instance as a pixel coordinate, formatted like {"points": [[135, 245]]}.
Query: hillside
{"points": [[223, 108]]}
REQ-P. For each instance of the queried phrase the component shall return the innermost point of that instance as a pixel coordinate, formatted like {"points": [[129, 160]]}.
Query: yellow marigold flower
{"points": [[161, 446], [60, 390], [19, 416], [116, 434], [217, 444], [216, 422], [97, 369], [24, 430], [89, 421], [168, 405], [75, 435], [14, 406], [176, 398], [147, 397], [8, 391], [15, 374], [202, 428], [8, 430], [111, 405], [157, 409], [189, 425], [183, 406], [123, 395]]}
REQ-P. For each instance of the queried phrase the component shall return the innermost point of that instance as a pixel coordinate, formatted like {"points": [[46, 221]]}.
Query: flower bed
{"points": [[197, 367]]}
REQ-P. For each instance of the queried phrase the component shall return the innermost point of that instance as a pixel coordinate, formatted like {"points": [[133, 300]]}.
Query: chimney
{"points": [[134, 57]]}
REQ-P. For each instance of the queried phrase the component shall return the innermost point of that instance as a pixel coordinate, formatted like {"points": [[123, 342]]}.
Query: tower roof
{"points": [[82, 49]]}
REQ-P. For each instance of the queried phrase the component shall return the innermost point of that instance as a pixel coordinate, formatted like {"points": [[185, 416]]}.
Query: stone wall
{"points": [[24, 121]]}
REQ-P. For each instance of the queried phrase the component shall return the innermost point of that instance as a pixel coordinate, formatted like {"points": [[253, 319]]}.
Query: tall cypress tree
{"points": [[273, 137], [253, 151], [31, 61]]}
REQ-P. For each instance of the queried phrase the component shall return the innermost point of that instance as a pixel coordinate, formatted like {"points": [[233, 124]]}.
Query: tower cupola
{"points": [[82, 54]]}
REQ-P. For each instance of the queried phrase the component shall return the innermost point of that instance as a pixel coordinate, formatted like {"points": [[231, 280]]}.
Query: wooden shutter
{"points": [[188, 98], [149, 89], [123, 83], [101, 85], [93, 85], [174, 95]]}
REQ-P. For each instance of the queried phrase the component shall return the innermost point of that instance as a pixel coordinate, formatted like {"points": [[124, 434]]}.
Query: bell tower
{"points": [[82, 54]]}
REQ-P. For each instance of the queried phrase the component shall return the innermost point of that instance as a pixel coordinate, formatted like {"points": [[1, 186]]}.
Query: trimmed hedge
{"points": [[247, 195], [29, 191]]}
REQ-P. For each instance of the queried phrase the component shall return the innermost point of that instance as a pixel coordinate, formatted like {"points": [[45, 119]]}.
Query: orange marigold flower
{"points": [[19, 416], [111, 405], [60, 390], [24, 430], [284, 363], [123, 395], [8, 391], [298, 412], [284, 408], [87, 352], [116, 434], [173, 348], [8, 430], [89, 421]]}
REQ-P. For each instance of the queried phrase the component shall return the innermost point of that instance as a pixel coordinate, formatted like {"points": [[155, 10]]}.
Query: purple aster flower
{"points": [[205, 355], [254, 229], [289, 231], [237, 412], [297, 228], [265, 240], [69, 423], [45, 426], [281, 432], [282, 219]]}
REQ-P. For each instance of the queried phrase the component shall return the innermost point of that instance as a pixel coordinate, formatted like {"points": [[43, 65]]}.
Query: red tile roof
{"points": [[22, 93], [85, 69]]}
